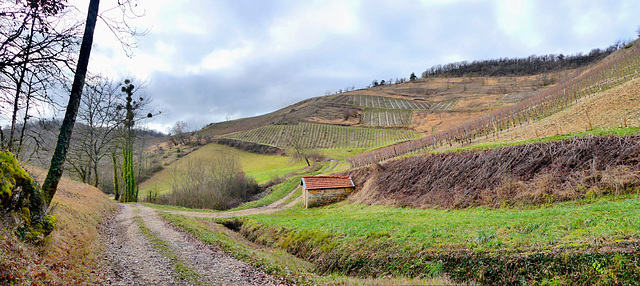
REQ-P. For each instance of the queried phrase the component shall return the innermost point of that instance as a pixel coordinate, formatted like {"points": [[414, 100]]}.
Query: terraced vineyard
{"points": [[386, 117], [368, 101], [314, 136]]}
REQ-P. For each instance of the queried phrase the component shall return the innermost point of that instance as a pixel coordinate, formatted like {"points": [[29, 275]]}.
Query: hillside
{"points": [[437, 103], [418, 105], [617, 69]]}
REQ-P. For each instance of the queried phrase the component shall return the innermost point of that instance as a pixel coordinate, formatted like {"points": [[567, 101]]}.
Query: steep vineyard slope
{"points": [[426, 105], [620, 67]]}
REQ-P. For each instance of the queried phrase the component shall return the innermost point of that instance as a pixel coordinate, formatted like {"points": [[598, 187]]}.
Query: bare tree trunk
{"points": [[96, 179], [26, 116], [23, 72], [50, 184]]}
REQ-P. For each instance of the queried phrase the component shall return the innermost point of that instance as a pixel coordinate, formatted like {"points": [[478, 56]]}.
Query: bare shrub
{"points": [[538, 173], [216, 183], [252, 147]]}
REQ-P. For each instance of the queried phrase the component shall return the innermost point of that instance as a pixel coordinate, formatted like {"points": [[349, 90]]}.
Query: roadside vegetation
{"points": [[71, 254], [276, 261], [589, 241]]}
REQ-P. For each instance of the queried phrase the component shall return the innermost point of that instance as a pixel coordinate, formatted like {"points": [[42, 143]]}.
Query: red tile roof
{"points": [[327, 182]]}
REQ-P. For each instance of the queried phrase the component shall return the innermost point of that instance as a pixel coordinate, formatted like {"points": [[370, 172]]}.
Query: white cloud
{"points": [[307, 26], [516, 19], [226, 58]]}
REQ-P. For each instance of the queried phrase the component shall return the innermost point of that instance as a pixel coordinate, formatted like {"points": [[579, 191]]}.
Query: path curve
{"points": [[273, 207]]}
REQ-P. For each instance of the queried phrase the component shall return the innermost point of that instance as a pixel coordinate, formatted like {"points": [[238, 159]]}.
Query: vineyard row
{"points": [[386, 117], [314, 136], [610, 72], [368, 101]]}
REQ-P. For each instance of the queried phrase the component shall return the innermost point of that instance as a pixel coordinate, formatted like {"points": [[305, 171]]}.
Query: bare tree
{"points": [[100, 119], [36, 45], [216, 183], [294, 140], [180, 133], [55, 170]]}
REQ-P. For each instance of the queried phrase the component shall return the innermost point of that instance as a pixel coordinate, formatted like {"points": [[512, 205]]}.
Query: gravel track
{"points": [[133, 259]]}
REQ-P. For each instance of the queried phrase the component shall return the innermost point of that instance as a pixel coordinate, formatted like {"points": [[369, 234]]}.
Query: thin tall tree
{"points": [[50, 184]]}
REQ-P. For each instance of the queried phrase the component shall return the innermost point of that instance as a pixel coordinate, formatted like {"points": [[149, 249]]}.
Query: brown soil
{"points": [[434, 122]]}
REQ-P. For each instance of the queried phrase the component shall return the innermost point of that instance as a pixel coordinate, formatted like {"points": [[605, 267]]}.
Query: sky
{"points": [[208, 61]]}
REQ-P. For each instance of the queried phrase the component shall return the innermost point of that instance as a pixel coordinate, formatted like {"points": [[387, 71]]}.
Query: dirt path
{"points": [[273, 207], [142, 249]]}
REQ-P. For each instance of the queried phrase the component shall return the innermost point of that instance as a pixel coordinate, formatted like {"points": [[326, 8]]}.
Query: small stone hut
{"points": [[324, 190]]}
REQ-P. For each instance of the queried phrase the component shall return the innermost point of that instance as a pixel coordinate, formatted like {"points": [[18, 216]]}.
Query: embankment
{"points": [[536, 173]]}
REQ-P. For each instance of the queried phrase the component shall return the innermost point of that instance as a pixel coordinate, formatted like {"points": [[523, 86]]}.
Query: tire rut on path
{"points": [[134, 260]]}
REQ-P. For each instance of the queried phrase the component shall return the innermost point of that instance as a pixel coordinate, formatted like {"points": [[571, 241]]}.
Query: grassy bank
{"points": [[588, 241], [71, 254], [276, 261], [281, 190]]}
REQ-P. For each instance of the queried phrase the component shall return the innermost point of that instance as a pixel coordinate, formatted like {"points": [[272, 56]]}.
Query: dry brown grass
{"points": [[432, 123], [71, 255], [531, 174], [616, 107]]}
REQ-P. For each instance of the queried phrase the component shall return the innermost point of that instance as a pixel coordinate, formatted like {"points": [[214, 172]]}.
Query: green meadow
{"points": [[260, 167]]}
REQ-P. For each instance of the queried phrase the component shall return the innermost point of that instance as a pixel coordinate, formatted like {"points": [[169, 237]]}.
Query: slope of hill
{"points": [[410, 104], [546, 213], [620, 67], [72, 252]]}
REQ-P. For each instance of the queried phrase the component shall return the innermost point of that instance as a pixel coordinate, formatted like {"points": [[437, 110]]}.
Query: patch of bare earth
{"points": [[134, 260]]}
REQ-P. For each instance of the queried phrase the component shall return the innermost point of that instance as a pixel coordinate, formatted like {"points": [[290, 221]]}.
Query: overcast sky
{"points": [[210, 60]]}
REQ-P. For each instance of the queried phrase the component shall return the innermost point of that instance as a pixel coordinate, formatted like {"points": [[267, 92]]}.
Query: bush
{"points": [[217, 183]]}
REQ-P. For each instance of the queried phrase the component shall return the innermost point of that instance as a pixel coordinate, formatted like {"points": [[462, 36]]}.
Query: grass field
{"points": [[260, 167], [586, 223], [278, 262], [376, 240]]}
